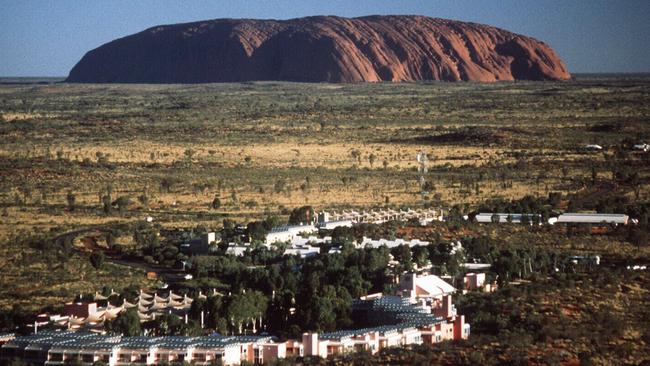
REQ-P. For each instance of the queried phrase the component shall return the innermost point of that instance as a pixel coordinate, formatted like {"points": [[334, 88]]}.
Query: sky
{"points": [[48, 37]]}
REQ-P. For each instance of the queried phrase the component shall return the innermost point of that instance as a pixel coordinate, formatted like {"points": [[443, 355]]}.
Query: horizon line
{"points": [[572, 73]]}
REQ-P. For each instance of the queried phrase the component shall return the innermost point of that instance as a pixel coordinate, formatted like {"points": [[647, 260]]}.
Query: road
{"points": [[168, 275]]}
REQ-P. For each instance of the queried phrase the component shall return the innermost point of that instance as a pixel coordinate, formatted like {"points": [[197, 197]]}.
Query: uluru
{"points": [[320, 49]]}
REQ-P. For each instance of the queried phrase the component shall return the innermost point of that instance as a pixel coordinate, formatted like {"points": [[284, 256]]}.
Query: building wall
{"points": [[474, 281], [310, 344], [412, 337], [232, 356], [274, 350], [80, 309], [459, 324], [446, 330], [445, 309]]}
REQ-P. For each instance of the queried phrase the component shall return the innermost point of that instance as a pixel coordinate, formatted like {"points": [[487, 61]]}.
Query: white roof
{"points": [[237, 250], [434, 285], [593, 218], [476, 266], [391, 243], [303, 251], [503, 217], [300, 241], [294, 229]]}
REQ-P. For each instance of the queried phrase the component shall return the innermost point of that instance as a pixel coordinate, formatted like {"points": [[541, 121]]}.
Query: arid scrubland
{"points": [[262, 147]]}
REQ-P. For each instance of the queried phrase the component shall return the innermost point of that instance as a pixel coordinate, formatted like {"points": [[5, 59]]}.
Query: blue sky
{"points": [[47, 37]]}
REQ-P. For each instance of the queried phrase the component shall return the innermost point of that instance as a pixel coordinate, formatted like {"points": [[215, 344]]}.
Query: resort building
{"points": [[288, 233], [62, 347], [592, 218], [414, 287], [370, 243], [502, 218], [423, 315], [424, 216]]}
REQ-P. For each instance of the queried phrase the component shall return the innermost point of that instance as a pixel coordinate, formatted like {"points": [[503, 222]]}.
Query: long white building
{"points": [[380, 216], [288, 233], [591, 218]]}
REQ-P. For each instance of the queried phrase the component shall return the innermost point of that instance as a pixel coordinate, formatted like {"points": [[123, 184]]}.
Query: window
{"points": [[56, 357], [88, 358]]}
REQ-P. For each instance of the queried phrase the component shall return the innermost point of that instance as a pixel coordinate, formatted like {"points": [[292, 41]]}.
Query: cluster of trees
{"points": [[316, 293], [320, 289], [150, 248], [232, 314], [304, 215], [526, 205]]}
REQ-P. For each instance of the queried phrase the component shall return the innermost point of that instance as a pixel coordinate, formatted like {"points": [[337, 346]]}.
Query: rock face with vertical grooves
{"points": [[320, 49]]}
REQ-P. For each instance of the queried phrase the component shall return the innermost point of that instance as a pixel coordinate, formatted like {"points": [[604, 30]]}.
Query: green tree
{"points": [[144, 199], [356, 155], [420, 255], [280, 185], [107, 204], [403, 255], [97, 259], [246, 308], [216, 203], [189, 154], [506, 265], [304, 214], [123, 203], [168, 183], [72, 199], [371, 159], [342, 235], [428, 186], [637, 237], [256, 231], [110, 240], [594, 175], [536, 220], [127, 324], [165, 325]]}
